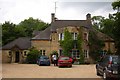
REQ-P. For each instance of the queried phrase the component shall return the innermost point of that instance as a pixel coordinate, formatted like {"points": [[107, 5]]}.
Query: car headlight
{"points": [[115, 72]]}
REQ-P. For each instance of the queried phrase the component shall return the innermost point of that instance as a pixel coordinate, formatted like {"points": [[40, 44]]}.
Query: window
{"points": [[60, 52], [86, 53], [85, 36], [25, 53], [42, 52], [75, 54], [61, 36], [74, 36], [10, 53]]}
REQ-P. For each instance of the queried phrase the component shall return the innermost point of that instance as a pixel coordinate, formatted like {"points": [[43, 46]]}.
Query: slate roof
{"points": [[35, 32], [66, 23], [22, 43], [102, 36], [45, 35]]}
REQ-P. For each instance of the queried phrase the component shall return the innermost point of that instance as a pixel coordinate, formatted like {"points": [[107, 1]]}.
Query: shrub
{"points": [[32, 56]]}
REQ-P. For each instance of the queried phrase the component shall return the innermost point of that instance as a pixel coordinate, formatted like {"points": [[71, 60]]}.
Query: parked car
{"points": [[43, 60], [109, 67], [64, 61]]}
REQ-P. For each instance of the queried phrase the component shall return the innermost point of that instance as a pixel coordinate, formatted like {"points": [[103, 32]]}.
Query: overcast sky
{"points": [[17, 10]]}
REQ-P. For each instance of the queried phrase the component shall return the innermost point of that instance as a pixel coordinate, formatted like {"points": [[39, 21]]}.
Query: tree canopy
{"points": [[11, 31], [29, 25], [116, 6], [8, 32], [104, 25], [67, 43]]}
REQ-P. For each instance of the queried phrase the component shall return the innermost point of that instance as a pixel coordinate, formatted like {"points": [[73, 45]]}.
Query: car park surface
{"points": [[35, 71]]}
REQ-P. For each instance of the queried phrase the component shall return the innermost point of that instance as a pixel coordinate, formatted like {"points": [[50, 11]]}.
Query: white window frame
{"points": [[75, 55], [43, 51], [74, 36], [61, 36], [86, 54]]}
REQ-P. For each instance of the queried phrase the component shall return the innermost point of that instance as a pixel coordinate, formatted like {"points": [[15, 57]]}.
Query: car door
{"points": [[105, 63], [99, 65]]}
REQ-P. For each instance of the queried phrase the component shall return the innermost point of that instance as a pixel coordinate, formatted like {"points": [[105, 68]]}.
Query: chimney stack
{"points": [[88, 16], [53, 17]]}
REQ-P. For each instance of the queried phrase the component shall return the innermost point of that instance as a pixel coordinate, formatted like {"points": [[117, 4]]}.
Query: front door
{"points": [[17, 56]]}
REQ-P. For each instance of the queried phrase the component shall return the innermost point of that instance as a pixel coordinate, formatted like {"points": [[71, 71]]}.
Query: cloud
{"points": [[78, 10], [18, 10]]}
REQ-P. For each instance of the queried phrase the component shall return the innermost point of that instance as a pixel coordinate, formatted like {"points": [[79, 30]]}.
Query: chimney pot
{"points": [[52, 17], [88, 16]]}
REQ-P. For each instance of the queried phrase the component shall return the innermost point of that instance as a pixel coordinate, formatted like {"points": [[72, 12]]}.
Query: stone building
{"points": [[16, 51], [47, 40]]}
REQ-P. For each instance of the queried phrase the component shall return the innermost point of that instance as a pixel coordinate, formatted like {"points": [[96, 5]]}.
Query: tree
{"points": [[116, 6], [0, 34], [67, 43], [97, 22], [32, 56], [95, 45], [29, 25], [8, 32], [104, 25], [108, 25], [11, 31], [117, 32], [79, 43]]}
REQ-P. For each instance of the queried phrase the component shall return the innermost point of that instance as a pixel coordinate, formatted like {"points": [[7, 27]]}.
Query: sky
{"points": [[16, 11]]}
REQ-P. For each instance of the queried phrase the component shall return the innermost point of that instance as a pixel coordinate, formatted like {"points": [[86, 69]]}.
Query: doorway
{"points": [[17, 56]]}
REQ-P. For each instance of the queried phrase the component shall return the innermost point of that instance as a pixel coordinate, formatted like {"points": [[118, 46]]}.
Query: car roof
{"points": [[63, 56], [111, 56]]}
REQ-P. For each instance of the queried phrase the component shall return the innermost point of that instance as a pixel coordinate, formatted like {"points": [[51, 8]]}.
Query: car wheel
{"points": [[70, 66], [105, 76], [48, 64], [98, 74], [39, 64], [59, 66]]}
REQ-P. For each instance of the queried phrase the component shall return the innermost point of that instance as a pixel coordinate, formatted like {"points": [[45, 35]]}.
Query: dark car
{"points": [[64, 61], [109, 67], [43, 60]]}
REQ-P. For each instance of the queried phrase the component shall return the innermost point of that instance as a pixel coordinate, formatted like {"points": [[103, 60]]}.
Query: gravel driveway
{"points": [[35, 71]]}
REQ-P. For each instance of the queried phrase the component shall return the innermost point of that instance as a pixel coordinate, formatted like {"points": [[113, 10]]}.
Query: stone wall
{"points": [[109, 45], [53, 44], [42, 45], [5, 56], [8, 56]]}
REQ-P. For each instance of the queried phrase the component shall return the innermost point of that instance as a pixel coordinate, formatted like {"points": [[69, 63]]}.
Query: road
{"points": [[35, 71]]}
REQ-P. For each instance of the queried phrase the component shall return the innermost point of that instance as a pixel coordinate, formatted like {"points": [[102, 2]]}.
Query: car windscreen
{"points": [[64, 58], [44, 57], [116, 60]]}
